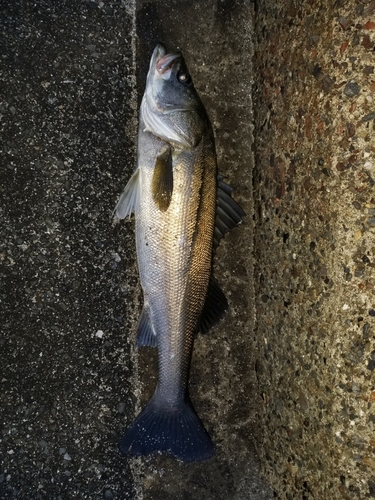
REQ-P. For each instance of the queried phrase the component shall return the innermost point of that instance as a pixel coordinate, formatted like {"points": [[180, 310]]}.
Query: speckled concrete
{"points": [[71, 76], [315, 246], [65, 292]]}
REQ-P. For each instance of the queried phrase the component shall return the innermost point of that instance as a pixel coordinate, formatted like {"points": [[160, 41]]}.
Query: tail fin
{"points": [[173, 430]]}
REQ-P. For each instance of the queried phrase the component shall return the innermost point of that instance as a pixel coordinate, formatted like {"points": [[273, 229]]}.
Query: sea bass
{"points": [[182, 208]]}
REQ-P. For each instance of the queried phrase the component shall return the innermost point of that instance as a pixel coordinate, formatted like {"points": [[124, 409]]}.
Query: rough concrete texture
{"points": [[65, 356], [315, 246], [71, 381]]}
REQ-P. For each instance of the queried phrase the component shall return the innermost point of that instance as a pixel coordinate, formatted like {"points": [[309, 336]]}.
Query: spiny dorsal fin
{"points": [[228, 213], [162, 180]]}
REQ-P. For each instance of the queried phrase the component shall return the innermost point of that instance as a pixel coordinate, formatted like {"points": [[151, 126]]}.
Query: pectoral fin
{"points": [[162, 180], [129, 199]]}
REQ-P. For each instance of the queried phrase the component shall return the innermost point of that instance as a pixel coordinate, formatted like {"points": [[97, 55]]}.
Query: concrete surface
{"points": [[65, 388], [71, 76], [315, 246]]}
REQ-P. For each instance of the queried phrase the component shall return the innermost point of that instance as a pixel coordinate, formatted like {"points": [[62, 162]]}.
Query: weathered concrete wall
{"points": [[315, 246]]}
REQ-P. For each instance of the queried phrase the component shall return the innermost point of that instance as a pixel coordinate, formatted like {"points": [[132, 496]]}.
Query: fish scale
{"points": [[174, 314]]}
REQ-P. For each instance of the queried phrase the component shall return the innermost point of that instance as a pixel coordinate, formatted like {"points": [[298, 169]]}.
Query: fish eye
{"points": [[184, 78]]}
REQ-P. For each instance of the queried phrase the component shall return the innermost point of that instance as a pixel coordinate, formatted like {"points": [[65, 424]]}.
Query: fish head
{"points": [[171, 108], [169, 81]]}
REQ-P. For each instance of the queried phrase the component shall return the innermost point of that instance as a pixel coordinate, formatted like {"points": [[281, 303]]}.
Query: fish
{"points": [[182, 209]]}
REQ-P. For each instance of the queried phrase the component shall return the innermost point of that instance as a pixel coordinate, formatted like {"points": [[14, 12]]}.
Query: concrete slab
{"points": [[71, 77], [215, 38], [65, 357]]}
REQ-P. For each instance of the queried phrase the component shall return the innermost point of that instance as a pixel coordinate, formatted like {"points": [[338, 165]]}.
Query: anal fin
{"points": [[145, 332]]}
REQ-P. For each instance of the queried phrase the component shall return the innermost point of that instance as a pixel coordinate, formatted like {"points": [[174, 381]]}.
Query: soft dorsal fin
{"points": [[162, 180], [129, 199], [214, 308], [228, 213]]}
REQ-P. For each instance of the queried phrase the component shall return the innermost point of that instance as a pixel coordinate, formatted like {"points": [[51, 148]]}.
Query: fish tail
{"points": [[176, 430]]}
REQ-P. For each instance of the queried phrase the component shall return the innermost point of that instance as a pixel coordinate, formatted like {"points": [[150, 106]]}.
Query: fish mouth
{"points": [[162, 62], [165, 64]]}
